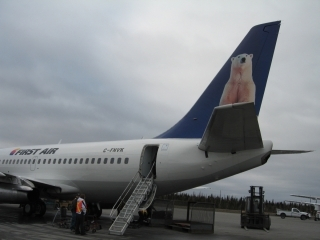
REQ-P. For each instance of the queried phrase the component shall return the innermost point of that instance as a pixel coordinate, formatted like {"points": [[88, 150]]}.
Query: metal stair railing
{"points": [[124, 194], [124, 218]]}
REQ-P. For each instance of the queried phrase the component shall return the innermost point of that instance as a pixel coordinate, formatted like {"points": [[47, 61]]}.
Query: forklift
{"points": [[253, 215]]}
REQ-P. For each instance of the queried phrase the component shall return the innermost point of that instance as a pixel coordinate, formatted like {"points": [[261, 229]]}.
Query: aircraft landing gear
{"points": [[38, 208], [28, 209]]}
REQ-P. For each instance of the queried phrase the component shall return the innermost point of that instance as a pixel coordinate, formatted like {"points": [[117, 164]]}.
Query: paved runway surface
{"points": [[13, 225]]}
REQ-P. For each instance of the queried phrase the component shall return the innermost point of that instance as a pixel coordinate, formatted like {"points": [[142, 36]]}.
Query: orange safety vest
{"points": [[79, 206]]}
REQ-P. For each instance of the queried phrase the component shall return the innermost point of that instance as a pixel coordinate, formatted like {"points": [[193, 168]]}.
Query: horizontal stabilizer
{"points": [[274, 152], [232, 128]]}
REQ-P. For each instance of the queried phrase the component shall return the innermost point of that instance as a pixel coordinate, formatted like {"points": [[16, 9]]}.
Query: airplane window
{"points": [[81, 160], [39, 161], [59, 160], [2, 161], [99, 160], [112, 160], [119, 160], [25, 161], [92, 161], [10, 161], [17, 162], [87, 160], [34, 161], [49, 161], [7, 161], [64, 161], [126, 160], [29, 161], [70, 160], [21, 161], [105, 161], [44, 161], [75, 161], [13, 161], [54, 161]]}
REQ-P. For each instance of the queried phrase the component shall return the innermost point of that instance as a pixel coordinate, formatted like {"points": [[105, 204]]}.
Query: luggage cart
{"points": [[64, 221], [92, 224]]}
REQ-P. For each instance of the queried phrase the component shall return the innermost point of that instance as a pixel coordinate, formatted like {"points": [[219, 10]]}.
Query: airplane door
{"points": [[33, 163], [148, 160]]}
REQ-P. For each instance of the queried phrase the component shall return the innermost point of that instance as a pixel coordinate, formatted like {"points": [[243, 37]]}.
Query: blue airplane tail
{"points": [[242, 78]]}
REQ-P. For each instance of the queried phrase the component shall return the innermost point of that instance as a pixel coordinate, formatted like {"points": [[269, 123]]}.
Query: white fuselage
{"points": [[179, 165]]}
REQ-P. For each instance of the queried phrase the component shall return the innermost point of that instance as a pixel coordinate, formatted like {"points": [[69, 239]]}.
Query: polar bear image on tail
{"points": [[240, 86]]}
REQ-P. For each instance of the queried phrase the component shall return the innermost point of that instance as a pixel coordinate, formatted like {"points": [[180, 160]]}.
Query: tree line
{"points": [[232, 203]]}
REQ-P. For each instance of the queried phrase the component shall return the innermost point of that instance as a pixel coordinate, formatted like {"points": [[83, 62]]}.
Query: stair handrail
{"points": [[128, 188], [124, 194]]}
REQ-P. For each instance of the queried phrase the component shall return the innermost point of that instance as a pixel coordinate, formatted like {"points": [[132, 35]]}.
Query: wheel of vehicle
{"points": [[283, 216], [303, 217]]}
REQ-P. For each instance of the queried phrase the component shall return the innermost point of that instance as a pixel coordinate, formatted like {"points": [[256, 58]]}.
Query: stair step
{"points": [[125, 216]]}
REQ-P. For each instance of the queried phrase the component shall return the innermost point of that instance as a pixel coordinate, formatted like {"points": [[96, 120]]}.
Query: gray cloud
{"points": [[109, 70]]}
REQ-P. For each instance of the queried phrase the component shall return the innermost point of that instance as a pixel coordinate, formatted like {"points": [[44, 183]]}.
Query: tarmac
{"points": [[13, 225]]}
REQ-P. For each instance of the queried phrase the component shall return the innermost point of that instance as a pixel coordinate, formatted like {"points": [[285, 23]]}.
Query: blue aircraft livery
{"points": [[242, 78]]}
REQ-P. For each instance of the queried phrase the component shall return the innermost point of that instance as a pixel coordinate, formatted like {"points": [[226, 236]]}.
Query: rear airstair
{"points": [[143, 193]]}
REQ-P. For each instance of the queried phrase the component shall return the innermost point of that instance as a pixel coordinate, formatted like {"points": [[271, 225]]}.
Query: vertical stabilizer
{"points": [[242, 78]]}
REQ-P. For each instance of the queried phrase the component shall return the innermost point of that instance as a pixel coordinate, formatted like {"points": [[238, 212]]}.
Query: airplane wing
{"points": [[307, 203], [16, 182], [232, 128], [54, 188], [28, 184], [304, 196]]}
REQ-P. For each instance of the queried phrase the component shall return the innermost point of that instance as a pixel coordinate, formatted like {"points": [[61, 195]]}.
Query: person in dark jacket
{"points": [[73, 211]]}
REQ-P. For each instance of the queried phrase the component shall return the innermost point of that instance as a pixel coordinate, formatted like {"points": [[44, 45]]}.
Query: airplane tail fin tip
{"points": [[241, 79]]}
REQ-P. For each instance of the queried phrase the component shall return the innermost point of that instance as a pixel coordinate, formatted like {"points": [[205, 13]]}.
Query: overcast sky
{"points": [[111, 70]]}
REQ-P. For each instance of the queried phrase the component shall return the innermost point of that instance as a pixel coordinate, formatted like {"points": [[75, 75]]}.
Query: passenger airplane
{"points": [[218, 138], [315, 204]]}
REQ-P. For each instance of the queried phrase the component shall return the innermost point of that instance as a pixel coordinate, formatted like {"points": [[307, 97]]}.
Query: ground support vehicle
{"points": [[253, 215]]}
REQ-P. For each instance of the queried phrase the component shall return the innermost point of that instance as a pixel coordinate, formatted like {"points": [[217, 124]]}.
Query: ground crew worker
{"points": [[73, 211], [81, 210]]}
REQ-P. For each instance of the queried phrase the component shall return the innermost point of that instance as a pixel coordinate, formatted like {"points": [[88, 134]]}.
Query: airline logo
{"points": [[19, 151]]}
